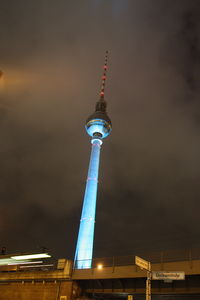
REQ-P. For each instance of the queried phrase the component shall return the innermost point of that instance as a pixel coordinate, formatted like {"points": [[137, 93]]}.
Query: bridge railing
{"points": [[154, 257]]}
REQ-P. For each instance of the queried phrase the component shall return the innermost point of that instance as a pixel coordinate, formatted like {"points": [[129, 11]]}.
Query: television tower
{"points": [[98, 126]]}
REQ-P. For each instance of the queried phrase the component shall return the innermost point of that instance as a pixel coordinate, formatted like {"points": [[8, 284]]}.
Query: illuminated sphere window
{"points": [[98, 123]]}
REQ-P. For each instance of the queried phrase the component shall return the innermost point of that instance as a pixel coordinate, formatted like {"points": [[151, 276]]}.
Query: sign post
{"points": [[148, 284], [146, 265], [156, 275]]}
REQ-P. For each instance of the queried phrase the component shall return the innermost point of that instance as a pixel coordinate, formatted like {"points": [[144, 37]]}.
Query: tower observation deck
{"points": [[98, 126]]}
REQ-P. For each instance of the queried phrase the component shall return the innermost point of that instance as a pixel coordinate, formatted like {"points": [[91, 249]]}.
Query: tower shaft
{"points": [[84, 249]]}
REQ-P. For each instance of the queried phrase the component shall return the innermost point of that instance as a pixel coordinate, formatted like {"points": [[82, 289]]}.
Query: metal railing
{"points": [[154, 257]]}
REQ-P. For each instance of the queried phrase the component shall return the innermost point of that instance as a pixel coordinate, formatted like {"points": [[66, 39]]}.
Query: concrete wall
{"points": [[38, 290]]}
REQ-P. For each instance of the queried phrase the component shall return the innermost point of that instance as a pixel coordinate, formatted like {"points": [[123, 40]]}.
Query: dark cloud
{"points": [[51, 55]]}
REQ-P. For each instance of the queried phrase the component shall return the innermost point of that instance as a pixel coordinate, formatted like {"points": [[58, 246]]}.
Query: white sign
{"points": [[143, 264], [168, 275]]}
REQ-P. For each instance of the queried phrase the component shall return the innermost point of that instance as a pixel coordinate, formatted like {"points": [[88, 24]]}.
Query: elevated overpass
{"points": [[121, 275], [117, 278]]}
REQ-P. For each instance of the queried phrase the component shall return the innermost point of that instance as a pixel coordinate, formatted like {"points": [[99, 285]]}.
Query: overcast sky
{"points": [[52, 54]]}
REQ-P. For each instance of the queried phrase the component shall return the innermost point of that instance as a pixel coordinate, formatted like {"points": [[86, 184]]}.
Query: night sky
{"points": [[51, 53]]}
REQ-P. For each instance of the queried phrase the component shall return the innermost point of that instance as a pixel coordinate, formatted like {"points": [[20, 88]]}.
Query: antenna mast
{"points": [[105, 67]]}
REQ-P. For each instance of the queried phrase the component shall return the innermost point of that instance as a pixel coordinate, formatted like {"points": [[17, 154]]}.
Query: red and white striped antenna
{"points": [[105, 67]]}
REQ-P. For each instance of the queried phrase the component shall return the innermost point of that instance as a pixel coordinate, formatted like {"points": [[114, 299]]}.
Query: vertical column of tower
{"points": [[98, 126], [86, 231]]}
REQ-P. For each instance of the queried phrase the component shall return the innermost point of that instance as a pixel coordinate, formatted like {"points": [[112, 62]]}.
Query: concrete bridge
{"points": [[117, 278], [131, 279]]}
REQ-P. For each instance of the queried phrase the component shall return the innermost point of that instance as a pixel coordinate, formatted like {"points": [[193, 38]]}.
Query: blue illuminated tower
{"points": [[98, 126]]}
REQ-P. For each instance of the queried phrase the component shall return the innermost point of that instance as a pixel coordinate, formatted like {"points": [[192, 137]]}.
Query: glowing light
{"points": [[99, 126], [25, 263], [31, 256], [38, 266], [99, 142], [84, 248], [99, 266], [9, 261], [6, 261]]}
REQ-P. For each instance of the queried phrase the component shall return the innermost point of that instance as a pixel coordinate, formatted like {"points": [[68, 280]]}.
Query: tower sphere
{"points": [[98, 125]]}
